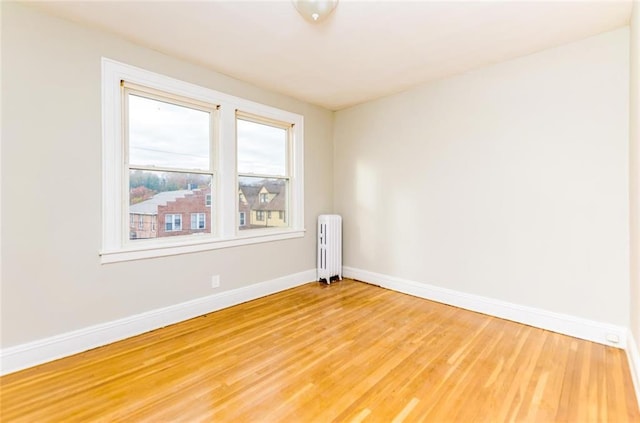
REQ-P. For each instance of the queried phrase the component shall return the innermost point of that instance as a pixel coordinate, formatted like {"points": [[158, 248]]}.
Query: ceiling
{"points": [[364, 50]]}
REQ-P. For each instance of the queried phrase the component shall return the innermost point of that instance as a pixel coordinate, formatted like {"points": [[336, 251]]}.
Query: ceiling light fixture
{"points": [[315, 10]]}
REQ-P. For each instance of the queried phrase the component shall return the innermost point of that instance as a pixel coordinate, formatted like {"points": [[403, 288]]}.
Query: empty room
{"points": [[316, 211]]}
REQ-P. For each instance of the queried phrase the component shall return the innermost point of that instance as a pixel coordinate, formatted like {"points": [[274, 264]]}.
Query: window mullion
{"points": [[130, 93], [228, 182]]}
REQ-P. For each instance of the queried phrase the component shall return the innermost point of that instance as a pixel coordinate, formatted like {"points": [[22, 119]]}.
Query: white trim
{"points": [[115, 243], [158, 250], [633, 356], [577, 327], [58, 346]]}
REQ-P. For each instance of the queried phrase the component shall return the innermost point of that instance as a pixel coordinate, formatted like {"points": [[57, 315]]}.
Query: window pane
{"points": [[256, 213], [162, 134], [197, 220], [159, 201], [262, 149]]}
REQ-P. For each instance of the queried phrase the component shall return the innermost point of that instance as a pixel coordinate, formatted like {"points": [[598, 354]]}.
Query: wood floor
{"points": [[349, 352]]}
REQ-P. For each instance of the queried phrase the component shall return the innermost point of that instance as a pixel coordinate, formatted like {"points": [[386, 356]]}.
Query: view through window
{"points": [[263, 176], [170, 166], [187, 168]]}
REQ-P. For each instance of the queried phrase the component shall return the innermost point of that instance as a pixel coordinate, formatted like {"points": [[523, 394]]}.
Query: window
{"points": [[264, 162], [169, 141], [174, 149], [141, 222], [242, 219], [173, 222], [198, 221], [281, 215]]}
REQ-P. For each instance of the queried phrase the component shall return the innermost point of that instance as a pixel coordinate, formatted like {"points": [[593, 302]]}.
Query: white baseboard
{"points": [[633, 357], [590, 330], [41, 351]]}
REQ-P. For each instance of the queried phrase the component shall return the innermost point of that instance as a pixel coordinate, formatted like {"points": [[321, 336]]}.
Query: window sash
{"points": [[127, 89], [289, 159], [173, 222], [116, 246], [198, 221]]}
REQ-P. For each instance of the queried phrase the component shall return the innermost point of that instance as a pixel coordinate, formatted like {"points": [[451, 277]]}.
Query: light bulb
{"points": [[315, 10]]}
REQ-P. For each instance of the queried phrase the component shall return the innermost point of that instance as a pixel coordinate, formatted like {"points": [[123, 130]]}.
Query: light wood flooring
{"points": [[348, 352]]}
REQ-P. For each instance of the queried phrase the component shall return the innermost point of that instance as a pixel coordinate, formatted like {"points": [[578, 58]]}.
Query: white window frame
{"points": [[197, 216], [173, 222], [115, 247]]}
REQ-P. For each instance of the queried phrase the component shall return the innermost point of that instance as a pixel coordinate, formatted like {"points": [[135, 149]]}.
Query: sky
{"points": [[170, 136]]}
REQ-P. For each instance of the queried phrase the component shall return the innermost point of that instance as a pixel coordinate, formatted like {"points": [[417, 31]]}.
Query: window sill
{"points": [[139, 252]]}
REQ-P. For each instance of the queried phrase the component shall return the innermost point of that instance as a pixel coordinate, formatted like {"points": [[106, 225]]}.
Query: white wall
{"points": [[509, 182], [52, 281], [635, 172]]}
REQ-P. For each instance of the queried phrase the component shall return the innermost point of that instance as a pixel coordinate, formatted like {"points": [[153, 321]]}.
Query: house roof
{"points": [[250, 192], [150, 206], [277, 203]]}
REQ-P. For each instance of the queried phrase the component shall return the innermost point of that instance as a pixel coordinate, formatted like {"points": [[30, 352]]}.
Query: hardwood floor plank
{"points": [[348, 352]]}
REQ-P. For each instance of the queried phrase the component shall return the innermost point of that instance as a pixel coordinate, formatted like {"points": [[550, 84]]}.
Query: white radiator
{"points": [[329, 247]]}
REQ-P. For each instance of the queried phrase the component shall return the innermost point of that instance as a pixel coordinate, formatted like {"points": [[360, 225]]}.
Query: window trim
{"points": [[173, 222], [198, 221], [114, 246]]}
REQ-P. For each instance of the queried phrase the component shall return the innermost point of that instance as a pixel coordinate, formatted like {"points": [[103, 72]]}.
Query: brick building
{"points": [[171, 213]]}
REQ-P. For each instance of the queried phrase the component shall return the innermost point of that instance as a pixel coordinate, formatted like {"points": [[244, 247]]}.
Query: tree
{"points": [[151, 180], [139, 194]]}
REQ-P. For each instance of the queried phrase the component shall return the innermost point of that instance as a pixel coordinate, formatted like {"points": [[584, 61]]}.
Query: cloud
{"points": [[262, 149], [167, 135]]}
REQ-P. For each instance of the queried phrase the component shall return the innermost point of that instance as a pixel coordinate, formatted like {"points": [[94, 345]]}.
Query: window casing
{"points": [[222, 173], [173, 222], [198, 221]]}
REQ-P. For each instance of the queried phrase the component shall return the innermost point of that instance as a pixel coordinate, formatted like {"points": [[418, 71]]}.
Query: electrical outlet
{"points": [[613, 338], [215, 281]]}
